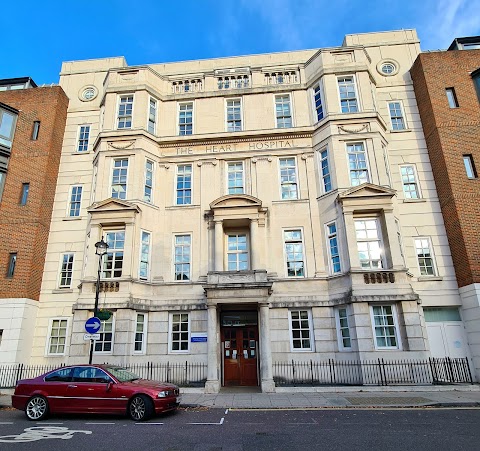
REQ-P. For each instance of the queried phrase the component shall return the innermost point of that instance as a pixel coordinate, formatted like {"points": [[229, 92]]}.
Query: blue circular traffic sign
{"points": [[92, 325]]}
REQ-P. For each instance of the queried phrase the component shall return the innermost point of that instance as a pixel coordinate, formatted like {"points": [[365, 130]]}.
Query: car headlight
{"points": [[162, 394]]}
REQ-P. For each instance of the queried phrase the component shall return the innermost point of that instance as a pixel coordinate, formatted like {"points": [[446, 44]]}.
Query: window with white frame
{"points": [[119, 178], [234, 115], [140, 333], [75, 201], [409, 182], [113, 259], [326, 179], [105, 343], [237, 252], [332, 239], [125, 111], [301, 330], [8, 121], [343, 329], [357, 163], [66, 271], [148, 188], [57, 338], [184, 184], [182, 259], [317, 96], [235, 177], [426, 264], [451, 97], [152, 115], [185, 119], [396, 115], [348, 94], [83, 137], [179, 337], [369, 243], [385, 326], [294, 256], [469, 166], [288, 178], [144, 269], [283, 111]]}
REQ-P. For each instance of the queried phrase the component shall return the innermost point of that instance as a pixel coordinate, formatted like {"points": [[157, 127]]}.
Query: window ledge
{"points": [[62, 290], [286, 201], [429, 278], [414, 201], [401, 131], [73, 218], [81, 153], [178, 207]]}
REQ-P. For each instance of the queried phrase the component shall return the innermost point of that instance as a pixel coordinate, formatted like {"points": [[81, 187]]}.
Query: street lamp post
{"points": [[100, 250]]}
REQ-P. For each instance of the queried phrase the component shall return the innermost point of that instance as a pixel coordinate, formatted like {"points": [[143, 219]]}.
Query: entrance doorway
{"points": [[239, 348]]}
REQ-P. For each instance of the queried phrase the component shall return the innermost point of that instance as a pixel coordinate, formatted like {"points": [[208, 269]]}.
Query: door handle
{"points": [[72, 386]]}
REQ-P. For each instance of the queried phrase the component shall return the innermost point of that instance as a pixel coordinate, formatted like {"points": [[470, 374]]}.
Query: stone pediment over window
{"points": [[237, 207], [367, 196], [113, 211]]}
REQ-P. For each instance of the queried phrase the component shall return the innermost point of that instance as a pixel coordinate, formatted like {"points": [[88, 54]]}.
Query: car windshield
{"points": [[122, 374]]}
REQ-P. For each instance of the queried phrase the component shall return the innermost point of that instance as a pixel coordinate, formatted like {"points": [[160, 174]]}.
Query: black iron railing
{"points": [[182, 374], [372, 372]]}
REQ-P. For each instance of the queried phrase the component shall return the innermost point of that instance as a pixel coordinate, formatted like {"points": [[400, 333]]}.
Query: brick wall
{"points": [[451, 133], [24, 229]]}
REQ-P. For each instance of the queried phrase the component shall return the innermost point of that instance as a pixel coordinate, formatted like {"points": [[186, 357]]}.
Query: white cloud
{"points": [[449, 19]]}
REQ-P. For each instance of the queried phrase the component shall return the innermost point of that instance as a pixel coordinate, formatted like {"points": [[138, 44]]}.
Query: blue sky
{"points": [[39, 35]]}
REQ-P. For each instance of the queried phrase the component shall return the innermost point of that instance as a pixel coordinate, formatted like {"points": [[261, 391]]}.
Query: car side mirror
{"points": [[109, 386]]}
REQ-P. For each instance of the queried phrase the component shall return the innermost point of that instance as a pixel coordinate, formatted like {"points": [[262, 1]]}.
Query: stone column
{"points": [[254, 245], [212, 385], [218, 246], [392, 240], [266, 374], [351, 236]]}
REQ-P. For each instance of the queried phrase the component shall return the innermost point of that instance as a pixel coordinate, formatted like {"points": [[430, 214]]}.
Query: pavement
{"points": [[324, 397]]}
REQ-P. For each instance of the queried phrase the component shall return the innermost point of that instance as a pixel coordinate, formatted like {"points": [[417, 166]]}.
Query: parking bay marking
{"points": [[211, 424]]}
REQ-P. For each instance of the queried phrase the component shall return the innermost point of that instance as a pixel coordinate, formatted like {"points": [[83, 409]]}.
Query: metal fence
{"points": [[372, 372], [182, 374]]}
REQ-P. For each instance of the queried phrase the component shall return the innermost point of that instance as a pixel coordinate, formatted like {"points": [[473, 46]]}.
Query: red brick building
{"points": [[32, 124], [447, 88]]}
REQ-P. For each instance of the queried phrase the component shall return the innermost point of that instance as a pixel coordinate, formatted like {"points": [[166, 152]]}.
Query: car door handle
{"points": [[72, 386]]}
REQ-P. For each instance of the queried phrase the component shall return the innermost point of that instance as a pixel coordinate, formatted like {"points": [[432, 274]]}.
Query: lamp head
{"points": [[101, 247]]}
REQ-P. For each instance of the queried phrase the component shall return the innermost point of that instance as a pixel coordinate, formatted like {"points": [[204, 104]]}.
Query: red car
{"points": [[94, 389]]}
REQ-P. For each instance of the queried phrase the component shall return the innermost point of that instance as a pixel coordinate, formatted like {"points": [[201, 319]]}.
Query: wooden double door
{"points": [[240, 355]]}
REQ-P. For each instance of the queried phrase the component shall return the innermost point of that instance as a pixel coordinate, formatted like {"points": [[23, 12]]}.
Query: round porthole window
{"points": [[88, 93], [387, 68]]}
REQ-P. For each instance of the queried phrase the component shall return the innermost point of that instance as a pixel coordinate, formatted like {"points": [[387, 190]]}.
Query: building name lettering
{"points": [[220, 148]]}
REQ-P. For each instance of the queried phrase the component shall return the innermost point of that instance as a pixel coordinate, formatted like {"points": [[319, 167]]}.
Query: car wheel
{"points": [[140, 408], [36, 408]]}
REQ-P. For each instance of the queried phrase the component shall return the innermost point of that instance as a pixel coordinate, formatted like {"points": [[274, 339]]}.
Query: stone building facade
{"points": [[32, 122], [258, 209], [447, 88]]}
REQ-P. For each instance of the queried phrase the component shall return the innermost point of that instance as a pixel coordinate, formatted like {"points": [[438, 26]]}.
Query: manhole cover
{"points": [[382, 400]]}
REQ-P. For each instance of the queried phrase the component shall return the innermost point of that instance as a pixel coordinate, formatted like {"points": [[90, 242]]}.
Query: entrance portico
{"points": [[239, 351]]}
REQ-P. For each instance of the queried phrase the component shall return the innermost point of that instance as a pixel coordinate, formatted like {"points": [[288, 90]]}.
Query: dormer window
{"points": [[281, 77], [233, 82], [185, 86]]}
